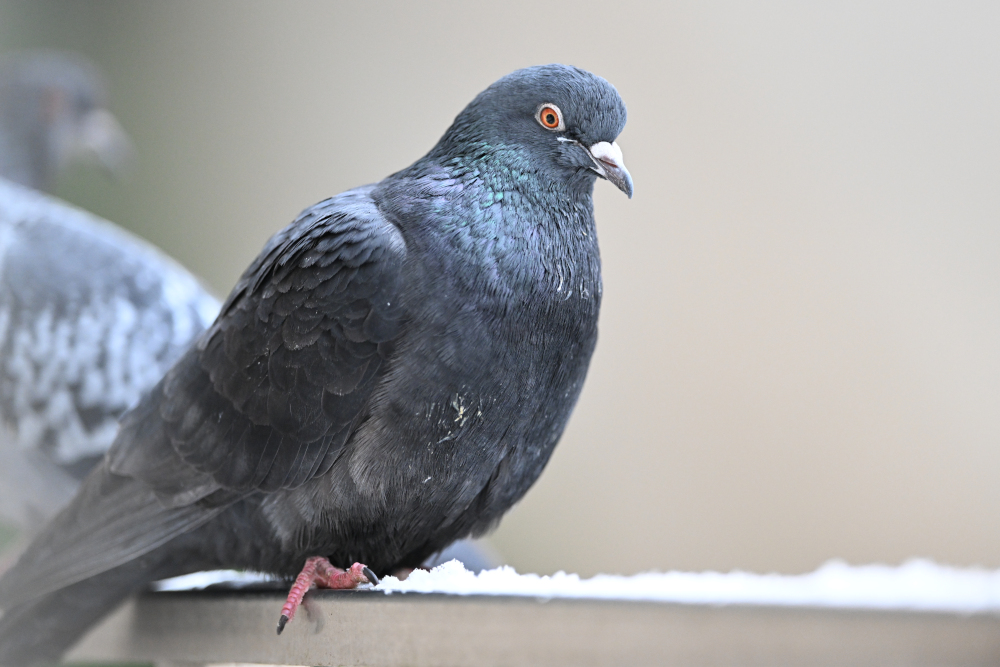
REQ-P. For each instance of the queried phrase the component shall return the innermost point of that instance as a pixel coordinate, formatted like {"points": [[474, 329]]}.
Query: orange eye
{"points": [[550, 117]]}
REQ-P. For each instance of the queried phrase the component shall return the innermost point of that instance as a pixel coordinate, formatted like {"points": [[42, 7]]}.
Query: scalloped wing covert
{"points": [[273, 390]]}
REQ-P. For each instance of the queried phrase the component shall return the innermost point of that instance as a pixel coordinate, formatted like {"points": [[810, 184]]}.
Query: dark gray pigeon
{"points": [[121, 311], [390, 374], [91, 317], [53, 110]]}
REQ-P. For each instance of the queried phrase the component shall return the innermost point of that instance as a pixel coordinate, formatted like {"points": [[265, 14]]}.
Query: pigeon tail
{"points": [[40, 631]]}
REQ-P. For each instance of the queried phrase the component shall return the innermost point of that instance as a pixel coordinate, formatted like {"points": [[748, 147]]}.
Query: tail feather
{"points": [[113, 520], [39, 631]]}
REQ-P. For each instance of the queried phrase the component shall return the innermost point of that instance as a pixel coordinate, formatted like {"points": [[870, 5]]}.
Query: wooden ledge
{"points": [[371, 628]]}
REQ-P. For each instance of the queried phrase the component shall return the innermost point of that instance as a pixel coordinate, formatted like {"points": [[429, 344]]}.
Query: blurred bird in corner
{"points": [[90, 315]]}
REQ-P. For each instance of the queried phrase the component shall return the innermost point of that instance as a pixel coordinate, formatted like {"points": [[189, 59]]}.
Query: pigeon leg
{"points": [[319, 571]]}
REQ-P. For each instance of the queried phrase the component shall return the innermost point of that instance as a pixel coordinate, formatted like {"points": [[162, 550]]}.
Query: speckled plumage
{"points": [[392, 373], [90, 319], [90, 316]]}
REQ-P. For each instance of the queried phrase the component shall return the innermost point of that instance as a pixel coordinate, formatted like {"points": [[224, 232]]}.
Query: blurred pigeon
{"points": [[91, 317], [390, 374], [52, 112]]}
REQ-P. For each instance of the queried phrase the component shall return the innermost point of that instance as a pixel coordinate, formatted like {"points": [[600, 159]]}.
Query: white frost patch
{"points": [[917, 585], [199, 580]]}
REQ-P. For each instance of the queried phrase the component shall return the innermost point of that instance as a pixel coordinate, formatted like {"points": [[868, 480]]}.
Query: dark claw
{"points": [[370, 575], [281, 623]]}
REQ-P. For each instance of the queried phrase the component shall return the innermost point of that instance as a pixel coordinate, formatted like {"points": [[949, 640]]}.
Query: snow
{"points": [[200, 580], [917, 585]]}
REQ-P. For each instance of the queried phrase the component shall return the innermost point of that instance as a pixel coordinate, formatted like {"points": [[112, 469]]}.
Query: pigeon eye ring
{"points": [[550, 117]]}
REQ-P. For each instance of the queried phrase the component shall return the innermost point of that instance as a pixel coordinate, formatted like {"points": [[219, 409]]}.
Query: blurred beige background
{"points": [[800, 341]]}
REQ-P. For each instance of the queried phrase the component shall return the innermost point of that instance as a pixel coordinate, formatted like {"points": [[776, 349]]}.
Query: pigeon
{"points": [[91, 317], [53, 111], [390, 374]]}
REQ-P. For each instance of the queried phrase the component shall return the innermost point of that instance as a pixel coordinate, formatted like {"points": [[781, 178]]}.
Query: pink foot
{"points": [[318, 570]]}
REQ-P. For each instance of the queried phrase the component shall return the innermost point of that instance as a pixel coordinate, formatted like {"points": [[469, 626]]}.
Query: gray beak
{"points": [[101, 136], [609, 164]]}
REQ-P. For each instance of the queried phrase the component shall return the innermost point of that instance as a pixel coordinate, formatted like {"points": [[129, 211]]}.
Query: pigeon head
{"points": [[560, 122], [52, 112]]}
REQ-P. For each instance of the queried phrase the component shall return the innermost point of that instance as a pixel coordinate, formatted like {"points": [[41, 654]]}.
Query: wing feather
{"points": [[271, 391], [264, 401], [113, 520]]}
